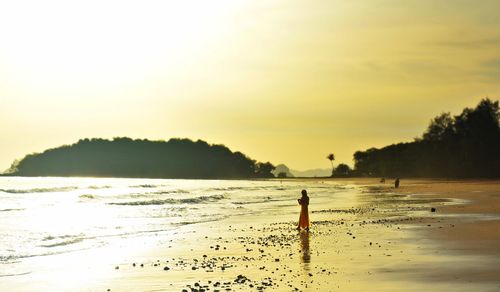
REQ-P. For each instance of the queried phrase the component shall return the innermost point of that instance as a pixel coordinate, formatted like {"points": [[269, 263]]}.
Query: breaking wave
{"points": [[38, 190], [11, 209], [178, 191], [10, 275], [64, 242], [227, 189], [145, 186], [98, 187], [260, 201], [196, 200], [87, 196]]}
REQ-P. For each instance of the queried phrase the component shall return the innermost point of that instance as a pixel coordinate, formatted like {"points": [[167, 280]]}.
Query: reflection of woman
{"points": [[304, 246], [304, 212]]}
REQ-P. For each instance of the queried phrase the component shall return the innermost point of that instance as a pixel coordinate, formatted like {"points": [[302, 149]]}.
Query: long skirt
{"points": [[304, 217]]}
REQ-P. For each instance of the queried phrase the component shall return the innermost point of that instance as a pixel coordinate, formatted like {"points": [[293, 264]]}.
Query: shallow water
{"points": [[49, 216], [67, 233]]}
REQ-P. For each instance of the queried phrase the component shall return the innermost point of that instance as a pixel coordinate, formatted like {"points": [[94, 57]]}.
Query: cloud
{"points": [[471, 44], [493, 64], [490, 70]]}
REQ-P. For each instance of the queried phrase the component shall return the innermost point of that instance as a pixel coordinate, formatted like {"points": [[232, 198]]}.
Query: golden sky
{"points": [[281, 81]]}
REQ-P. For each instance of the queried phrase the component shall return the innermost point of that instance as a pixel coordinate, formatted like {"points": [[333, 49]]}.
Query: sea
{"points": [[48, 216]]}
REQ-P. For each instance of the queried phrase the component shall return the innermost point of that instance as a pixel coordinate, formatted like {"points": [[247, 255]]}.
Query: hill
{"points": [[287, 172], [124, 157], [316, 172], [281, 171]]}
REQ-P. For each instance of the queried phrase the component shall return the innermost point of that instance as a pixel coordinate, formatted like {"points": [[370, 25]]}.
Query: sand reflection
{"points": [[304, 247]]}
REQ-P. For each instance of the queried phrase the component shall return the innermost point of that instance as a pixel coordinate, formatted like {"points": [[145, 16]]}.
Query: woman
{"points": [[304, 212]]}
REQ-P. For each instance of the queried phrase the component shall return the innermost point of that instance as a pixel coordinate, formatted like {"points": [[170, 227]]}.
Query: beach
{"points": [[365, 236], [222, 146]]}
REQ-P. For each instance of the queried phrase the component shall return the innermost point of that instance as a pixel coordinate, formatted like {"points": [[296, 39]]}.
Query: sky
{"points": [[281, 81]]}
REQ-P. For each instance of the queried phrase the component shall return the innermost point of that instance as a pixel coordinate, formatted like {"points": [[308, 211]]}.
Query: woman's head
{"points": [[304, 193]]}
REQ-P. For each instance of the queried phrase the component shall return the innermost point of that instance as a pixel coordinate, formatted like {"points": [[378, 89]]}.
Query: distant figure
{"points": [[304, 212], [396, 183], [382, 180]]}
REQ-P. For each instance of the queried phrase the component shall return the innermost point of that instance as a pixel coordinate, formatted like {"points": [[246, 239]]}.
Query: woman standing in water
{"points": [[304, 211]]}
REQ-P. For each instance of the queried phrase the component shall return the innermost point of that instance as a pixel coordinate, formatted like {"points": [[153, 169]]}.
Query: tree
{"points": [[124, 157], [461, 146], [342, 170], [13, 167], [264, 169], [439, 128], [282, 175], [331, 157]]}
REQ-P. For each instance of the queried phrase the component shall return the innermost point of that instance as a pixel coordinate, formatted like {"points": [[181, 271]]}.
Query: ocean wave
{"points": [[15, 257], [135, 196], [178, 191], [212, 219], [195, 200], [87, 196], [8, 258], [145, 186], [260, 201], [11, 275], [63, 243], [50, 237], [227, 189], [11, 209], [38, 190], [98, 187]]}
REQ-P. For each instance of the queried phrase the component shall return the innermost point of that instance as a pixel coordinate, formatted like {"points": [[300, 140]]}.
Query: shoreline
{"points": [[336, 255], [375, 238]]}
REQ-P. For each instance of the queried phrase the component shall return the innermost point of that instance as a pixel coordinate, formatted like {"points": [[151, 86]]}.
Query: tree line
{"points": [[125, 157], [462, 146]]}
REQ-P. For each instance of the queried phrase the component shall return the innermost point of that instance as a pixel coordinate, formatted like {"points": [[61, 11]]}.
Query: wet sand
{"points": [[476, 222], [382, 239], [468, 229]]}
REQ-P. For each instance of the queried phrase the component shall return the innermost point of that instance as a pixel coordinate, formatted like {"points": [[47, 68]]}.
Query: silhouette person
{"points": [[304, 211], [396, 183]]}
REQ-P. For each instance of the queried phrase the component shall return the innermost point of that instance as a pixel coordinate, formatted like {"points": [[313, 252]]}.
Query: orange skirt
{"points": [[304, 217]]}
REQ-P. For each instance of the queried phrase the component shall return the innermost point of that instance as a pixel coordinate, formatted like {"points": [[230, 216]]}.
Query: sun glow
{"points": [[254, 76], [65, 48]]}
